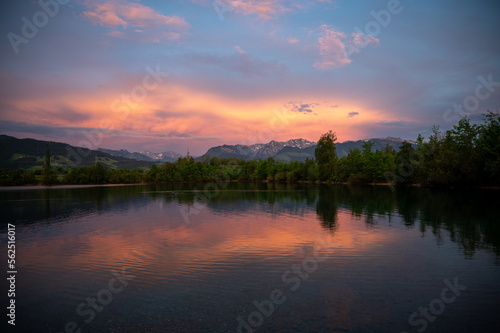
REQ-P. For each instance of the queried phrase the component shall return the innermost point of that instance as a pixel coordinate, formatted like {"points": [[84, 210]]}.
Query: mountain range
{"points": [[259, 150], [30, 153], [144, 155], [294, 150], [291, 150]]}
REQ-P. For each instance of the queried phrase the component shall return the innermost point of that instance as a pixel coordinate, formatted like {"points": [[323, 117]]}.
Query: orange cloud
{"points": [[180, 109]]}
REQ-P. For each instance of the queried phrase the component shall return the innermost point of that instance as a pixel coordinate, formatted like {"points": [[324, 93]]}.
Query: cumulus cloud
{"points": [[335, 46], [134, 21], [304, 108]]}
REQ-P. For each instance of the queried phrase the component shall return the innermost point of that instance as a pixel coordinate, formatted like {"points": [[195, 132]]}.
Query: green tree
{"points": [[352, 167], [261, 170], [461, 144], [49, 177], [488, 145], [326, 155], [47, 159], [406, 173], [369, 162], [271, 169], [98, 174]]}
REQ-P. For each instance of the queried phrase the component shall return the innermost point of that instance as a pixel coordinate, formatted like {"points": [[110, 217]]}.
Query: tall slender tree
{"points": [[47, 170], [326, 155]]}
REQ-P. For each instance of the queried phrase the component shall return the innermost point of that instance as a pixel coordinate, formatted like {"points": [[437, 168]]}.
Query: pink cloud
{"points": [[123, 14], [265, 9], [240, 50], [335, 47]]}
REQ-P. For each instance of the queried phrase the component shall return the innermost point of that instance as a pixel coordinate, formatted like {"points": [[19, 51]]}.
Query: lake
{"points": [[227, 257]]}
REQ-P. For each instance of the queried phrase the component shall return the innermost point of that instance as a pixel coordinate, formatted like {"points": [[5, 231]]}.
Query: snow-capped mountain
{"points": [[291, 150], [256, 151], [167, 156]]}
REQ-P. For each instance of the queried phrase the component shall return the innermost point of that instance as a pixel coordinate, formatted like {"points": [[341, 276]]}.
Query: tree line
{"points": [[466, 155]]}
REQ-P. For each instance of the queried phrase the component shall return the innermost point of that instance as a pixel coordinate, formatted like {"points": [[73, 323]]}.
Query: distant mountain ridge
{"points": [[256, 151], [167, 156], [294, 150], [144, 155], [125, 153], [30, 154]]}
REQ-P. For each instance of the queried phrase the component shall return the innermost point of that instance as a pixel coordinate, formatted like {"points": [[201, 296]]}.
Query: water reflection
{"points": [[469, 217], [203, 254], [327, 207]]}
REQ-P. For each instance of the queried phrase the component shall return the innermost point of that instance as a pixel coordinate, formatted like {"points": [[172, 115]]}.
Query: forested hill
{"points": [[30, 154]]}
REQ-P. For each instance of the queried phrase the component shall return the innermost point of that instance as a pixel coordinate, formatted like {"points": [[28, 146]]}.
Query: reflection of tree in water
{"points": [[46, 201], [467, 218], [470, 218], [362, 201], [326, 208]]}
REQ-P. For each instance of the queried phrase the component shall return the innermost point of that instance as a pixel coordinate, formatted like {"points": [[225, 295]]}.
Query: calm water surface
{"points": [[213, 258]]}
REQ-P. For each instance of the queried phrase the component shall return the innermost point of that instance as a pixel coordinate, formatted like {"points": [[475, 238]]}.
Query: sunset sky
{"points": [[168, 75]]}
